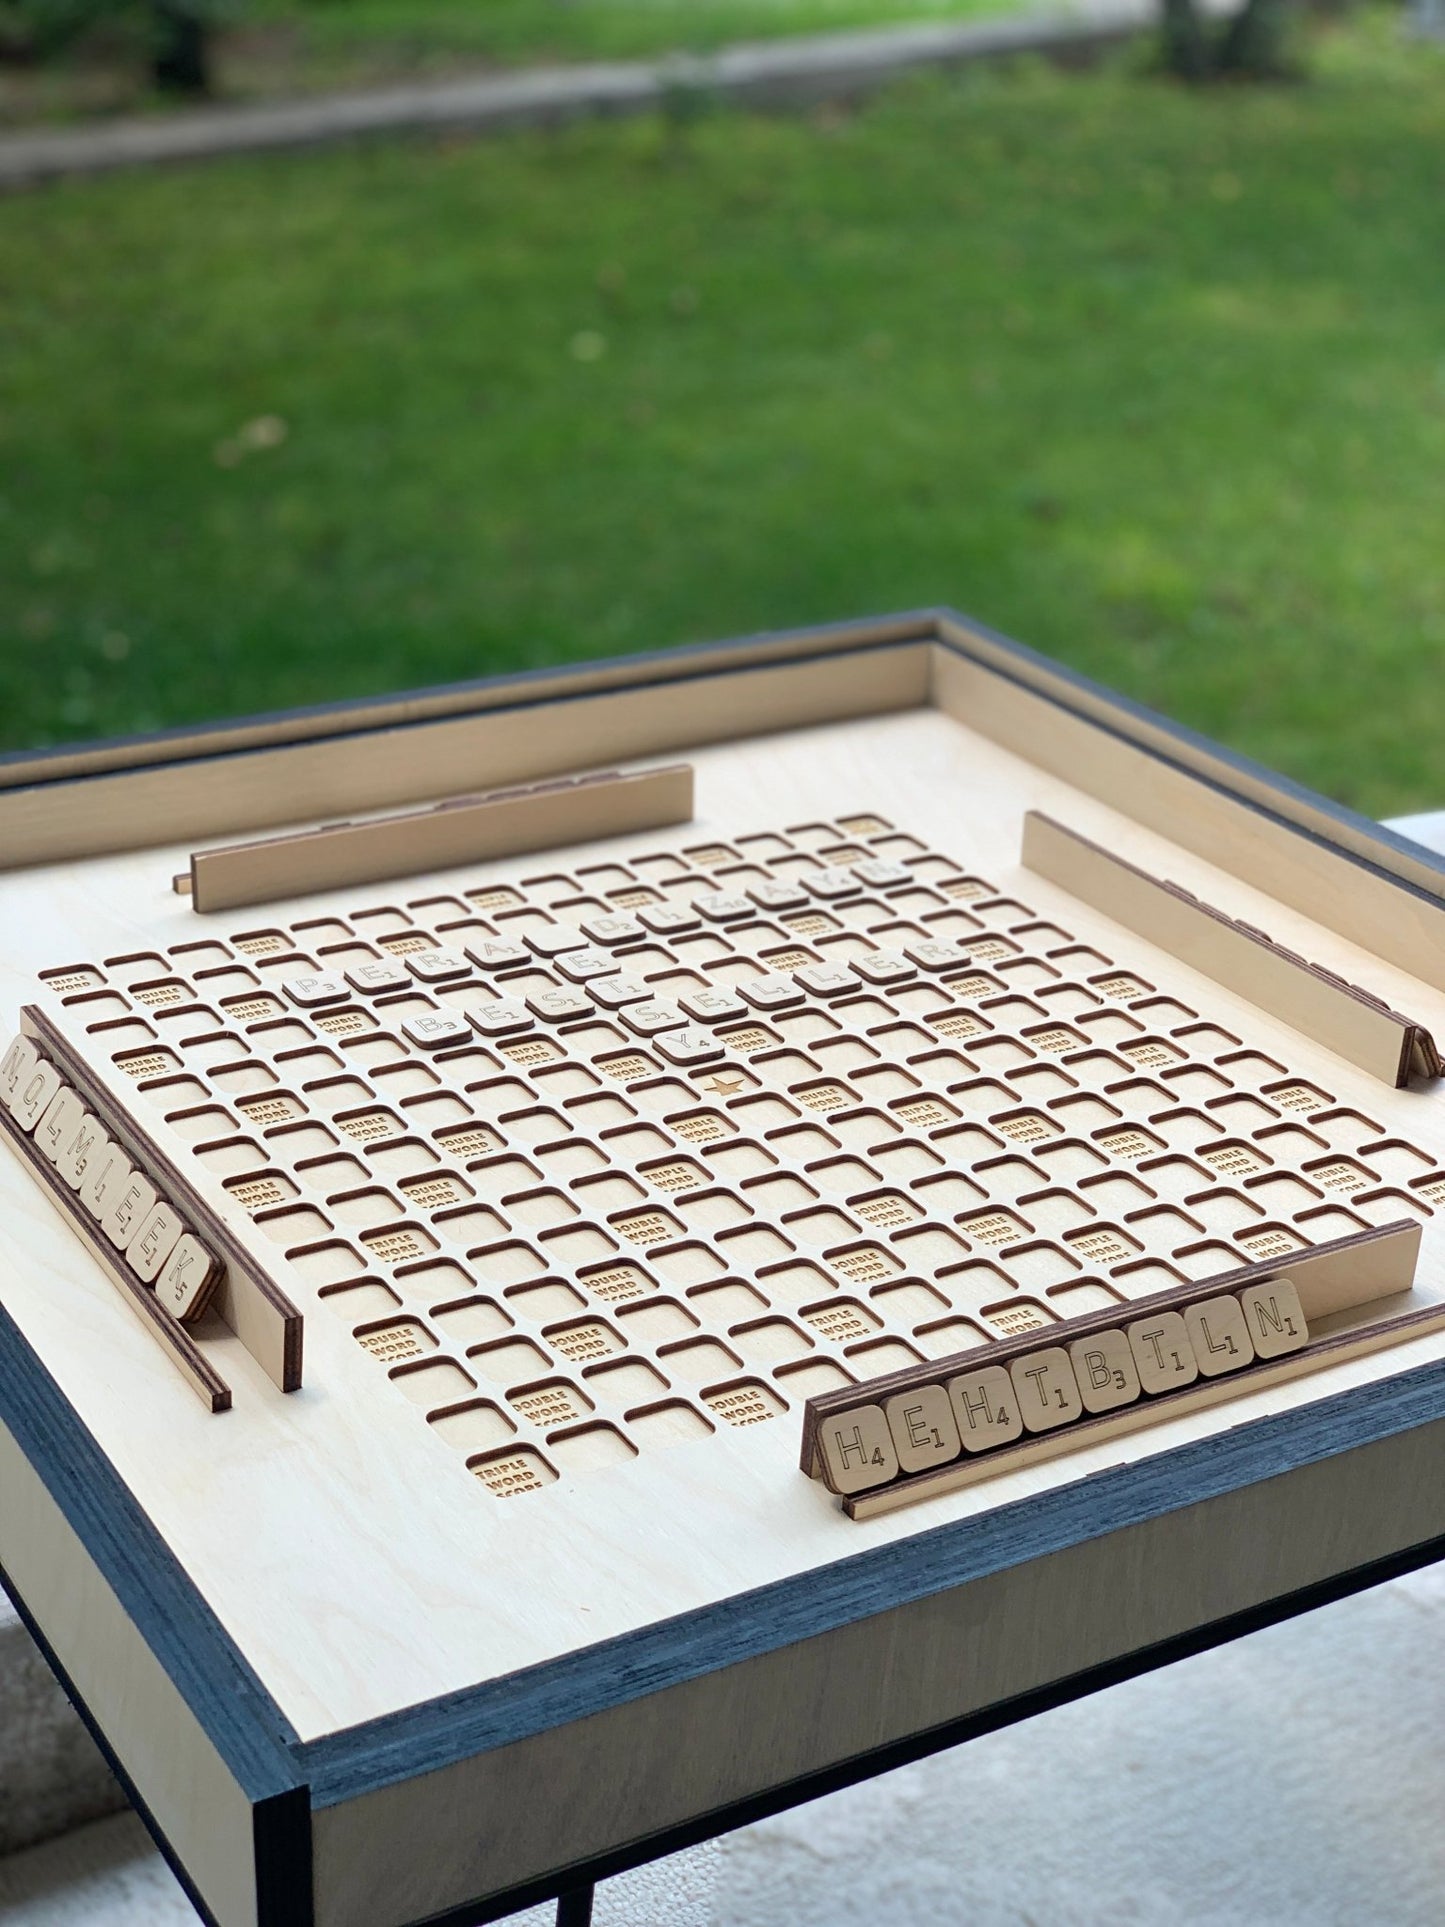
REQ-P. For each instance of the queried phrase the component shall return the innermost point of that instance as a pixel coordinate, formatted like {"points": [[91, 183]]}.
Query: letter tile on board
{"points": [[1104, 1367], [310, 993], [500, 1016], [378, 976], [16, 1065], [712, 1005], [1046, 1389], [436, 1029], [1219, 1335], [187, 1278], [1162, 1353], [984, 1407], [857, 1449], [153, 1243], [33, 1094], [923, 1427], [689, 1046], [1275, 1319]]}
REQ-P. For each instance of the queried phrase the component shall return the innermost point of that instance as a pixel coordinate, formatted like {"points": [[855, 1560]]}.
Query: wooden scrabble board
{"points": [[523, 1220]]}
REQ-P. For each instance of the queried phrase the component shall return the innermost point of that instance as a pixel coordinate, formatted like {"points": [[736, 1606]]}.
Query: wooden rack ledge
{"points": [[463, 829], [1314, 1001]]}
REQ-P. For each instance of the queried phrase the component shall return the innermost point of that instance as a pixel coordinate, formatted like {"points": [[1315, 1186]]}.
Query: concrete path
{"points": [[774, 72]]}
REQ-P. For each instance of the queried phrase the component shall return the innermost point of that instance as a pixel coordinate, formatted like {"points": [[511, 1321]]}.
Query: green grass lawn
{"points": [[1152, 380]]}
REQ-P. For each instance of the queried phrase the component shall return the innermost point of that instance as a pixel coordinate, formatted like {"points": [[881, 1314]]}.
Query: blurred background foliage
{"points": [[1151, 377]]}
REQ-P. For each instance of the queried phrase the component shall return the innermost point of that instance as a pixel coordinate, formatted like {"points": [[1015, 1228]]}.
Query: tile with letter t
{"points": [[1162, 1353], [1275, 1318], [924, 1430], [1046, 1389], [1105, 1369], [857, 1449], [984, 1408]]}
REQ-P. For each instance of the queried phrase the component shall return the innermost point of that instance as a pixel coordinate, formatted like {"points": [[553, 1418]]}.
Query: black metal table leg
{"points": [[574, 1909]]}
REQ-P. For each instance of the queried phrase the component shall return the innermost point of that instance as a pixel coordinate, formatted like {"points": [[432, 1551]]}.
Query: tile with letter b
{"points": [[924, 1430], [1274, 1317], [985, 1408], [1046, 1389], [1105, 1370], [1219, 1334], [857, 1449], [1162, 1353]]}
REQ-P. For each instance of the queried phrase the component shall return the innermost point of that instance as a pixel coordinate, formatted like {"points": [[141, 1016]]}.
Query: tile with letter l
{"points": [[1162, 1353], [1219, 1334]]}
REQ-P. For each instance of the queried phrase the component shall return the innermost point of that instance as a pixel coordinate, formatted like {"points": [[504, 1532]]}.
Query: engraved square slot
{"points": [[656, 1321], [433, 1279], [1017, 1315], [840, 1320], [292, 1225], [432, 1383], [360, 1301], [1068, 1160], [255, 1189], [1264, 1241], [616, 1284], [1327, 1221], [505, 1262], [689, 1263], [431, 1190], [371, 1206], [879, 1356], [396, 1340], [885, 1210], [1079, 1299], [702, 1126], [625, 1382], [590, 1448], [948, 1336], [471, 1321], [510, 1473], [909, 1302], [794, 1281], [394, 1244], [587, 1338], [509, 1361], [545, 1300], [769, 1341], [551, 1401], [473, 1426]]}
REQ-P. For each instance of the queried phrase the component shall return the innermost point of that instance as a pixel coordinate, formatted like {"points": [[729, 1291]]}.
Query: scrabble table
{"points": [[434, 1254]]}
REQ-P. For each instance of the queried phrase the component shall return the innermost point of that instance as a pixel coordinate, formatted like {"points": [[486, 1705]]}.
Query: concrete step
{"points": [[51, 1776]]}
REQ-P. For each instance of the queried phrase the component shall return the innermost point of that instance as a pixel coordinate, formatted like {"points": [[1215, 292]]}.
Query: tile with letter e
{"points": [[153, 1243], [377, 976], [187, 1278], [924, 1430], [985, 1408], [1046, 1389], [1219, 1334], [857, 1449], [1162, 1352], [712, 1006], [1105, 1370], [130, 1205], [1274, 1317], [500, 1016], [883, 967]]}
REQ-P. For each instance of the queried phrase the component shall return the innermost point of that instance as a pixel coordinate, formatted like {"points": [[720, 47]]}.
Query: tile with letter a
{"points": [[153, 1243], [857, 1449], [1105, 1369], [1162, 1353], [984, 1408], [1276, 1322], [1046, 1389], [187, 1278], [924, 1431]]}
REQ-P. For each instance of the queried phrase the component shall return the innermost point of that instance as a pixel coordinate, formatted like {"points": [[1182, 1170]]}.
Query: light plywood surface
{"points": [[377, 1571]]}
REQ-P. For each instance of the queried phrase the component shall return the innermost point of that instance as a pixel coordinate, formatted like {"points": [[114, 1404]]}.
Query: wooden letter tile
{"points": [[1046, 1389], [857, 1449], [712, 1006], [436, 1029], [310, 993], [58, 1122], [1162, 1352], [33, 1094], [1219, 1335], [1105, 1370], [15, 1068], [438, 966], [85, 1142], [153, 1243], [984, 1407], [924, 1431], [1276, 1322], [377, 976], [130, 1206], [187, 1279], [109, 1169]]}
